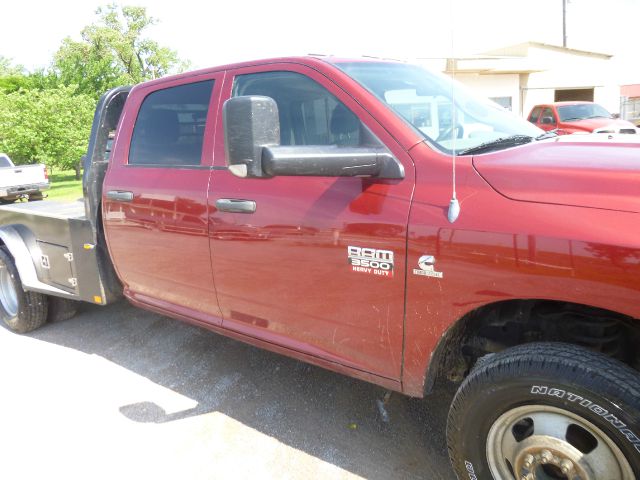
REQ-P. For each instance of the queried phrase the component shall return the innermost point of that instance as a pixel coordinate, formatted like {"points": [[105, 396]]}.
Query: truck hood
{"points": [[612, 125], [598, 172]]}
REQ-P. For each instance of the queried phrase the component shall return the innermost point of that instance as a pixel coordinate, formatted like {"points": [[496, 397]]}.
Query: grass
{"points": [[64, 186]]}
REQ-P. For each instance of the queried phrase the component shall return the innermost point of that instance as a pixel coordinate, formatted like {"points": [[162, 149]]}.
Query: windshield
{"points": [[426, 101], [582, 111], [4, 161]]}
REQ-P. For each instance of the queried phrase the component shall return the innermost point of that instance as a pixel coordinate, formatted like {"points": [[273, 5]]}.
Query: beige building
{"points": [[521, 76]]}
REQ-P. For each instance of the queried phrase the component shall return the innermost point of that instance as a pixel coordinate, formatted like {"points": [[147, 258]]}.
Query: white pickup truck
{"points": [[25, 181]]}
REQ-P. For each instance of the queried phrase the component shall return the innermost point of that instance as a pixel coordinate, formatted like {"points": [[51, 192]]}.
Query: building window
{"points": [[630, 109], [574, 95], [504, 102]]}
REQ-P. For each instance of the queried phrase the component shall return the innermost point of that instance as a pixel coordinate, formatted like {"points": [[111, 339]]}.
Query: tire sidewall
{"points": [[619, 420], [13, 322]]}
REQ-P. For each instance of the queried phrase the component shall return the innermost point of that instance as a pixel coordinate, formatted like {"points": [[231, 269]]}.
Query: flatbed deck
{"points": [[47, 208]]}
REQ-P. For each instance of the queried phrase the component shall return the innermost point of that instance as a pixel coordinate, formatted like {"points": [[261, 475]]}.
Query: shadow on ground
{"points": [[327, 415]]}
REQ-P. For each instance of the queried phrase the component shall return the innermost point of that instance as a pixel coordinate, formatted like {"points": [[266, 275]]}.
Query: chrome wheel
{"points": [[8, 294], [536, 442]]}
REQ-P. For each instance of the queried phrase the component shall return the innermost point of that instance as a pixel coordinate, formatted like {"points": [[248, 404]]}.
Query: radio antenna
{"points": [[454, 205]]}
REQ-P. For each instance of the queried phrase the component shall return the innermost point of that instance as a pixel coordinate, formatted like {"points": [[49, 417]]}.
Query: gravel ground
{"points": [[117, 392]]}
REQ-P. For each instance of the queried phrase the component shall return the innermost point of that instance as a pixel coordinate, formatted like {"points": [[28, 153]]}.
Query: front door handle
{"points": [[235, 205], [120, 196]]}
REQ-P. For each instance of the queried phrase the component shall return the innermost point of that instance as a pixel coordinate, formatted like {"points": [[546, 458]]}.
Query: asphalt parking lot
{"points": [[117, 392]]}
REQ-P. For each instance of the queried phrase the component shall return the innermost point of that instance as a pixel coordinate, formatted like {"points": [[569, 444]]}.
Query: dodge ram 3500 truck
{"points": [[304, 205]]}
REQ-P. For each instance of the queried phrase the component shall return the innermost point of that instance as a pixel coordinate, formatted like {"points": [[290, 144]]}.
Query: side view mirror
{"points": [[252, 146], [547, 121]]}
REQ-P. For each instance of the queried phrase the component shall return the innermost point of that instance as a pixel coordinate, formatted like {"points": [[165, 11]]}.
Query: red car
{"points": [[578, 117], [526, 295]]}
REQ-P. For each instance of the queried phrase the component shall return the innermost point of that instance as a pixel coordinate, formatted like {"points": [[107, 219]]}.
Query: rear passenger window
{"points": [[535, 114], [309, 113], [170, 126]]}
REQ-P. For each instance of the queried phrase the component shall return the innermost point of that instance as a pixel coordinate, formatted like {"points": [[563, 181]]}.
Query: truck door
{"points": [[155, 192], [287, 270]]}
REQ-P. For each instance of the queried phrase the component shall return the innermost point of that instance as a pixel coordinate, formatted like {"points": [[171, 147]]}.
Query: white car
{"points": [[25, 181]]}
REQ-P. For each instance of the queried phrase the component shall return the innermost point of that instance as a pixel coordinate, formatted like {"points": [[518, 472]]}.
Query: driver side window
{"points": [[309, 113], [547, 114]]}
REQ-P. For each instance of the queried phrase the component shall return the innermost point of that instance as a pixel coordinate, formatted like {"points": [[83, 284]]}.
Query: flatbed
{"points": [[61, 235]]}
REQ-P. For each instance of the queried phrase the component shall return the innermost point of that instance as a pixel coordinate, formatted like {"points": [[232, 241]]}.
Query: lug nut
{"points": [[566, 466], [547, 456], [528, 460]]}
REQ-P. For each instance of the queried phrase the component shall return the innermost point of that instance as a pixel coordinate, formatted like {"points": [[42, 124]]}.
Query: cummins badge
{"points": [[426, 264]]}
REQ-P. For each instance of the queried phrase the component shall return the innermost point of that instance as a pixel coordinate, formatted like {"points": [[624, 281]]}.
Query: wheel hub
{"points": [[546, 462], [537, 442]]}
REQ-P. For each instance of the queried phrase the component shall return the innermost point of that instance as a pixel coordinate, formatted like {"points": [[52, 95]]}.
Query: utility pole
{"points": [[564, 23]]}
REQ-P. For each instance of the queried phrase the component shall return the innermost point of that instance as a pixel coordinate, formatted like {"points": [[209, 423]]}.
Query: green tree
{"points": [[16, 77], [12, 77], [46, 116], [49, 126], [113, 51], [38, 80], [7, 68]]}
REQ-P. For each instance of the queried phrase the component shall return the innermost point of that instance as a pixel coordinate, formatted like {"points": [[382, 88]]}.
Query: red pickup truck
{"points": [[304, 205], [578, 117]]}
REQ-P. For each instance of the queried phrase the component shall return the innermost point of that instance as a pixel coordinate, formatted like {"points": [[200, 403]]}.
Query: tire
{"points": [[546, 410], [35, 197], [61, 309], [21, 311]]}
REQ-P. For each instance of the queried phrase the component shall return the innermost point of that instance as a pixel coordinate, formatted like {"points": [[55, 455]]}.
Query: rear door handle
{"points": [[235, 205], [120, 196]]}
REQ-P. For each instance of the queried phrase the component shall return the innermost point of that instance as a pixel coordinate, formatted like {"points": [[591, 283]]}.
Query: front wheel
{"points": [[546, 411]]}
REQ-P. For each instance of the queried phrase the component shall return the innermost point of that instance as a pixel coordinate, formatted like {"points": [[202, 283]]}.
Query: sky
{"points": [[213, 32]]}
